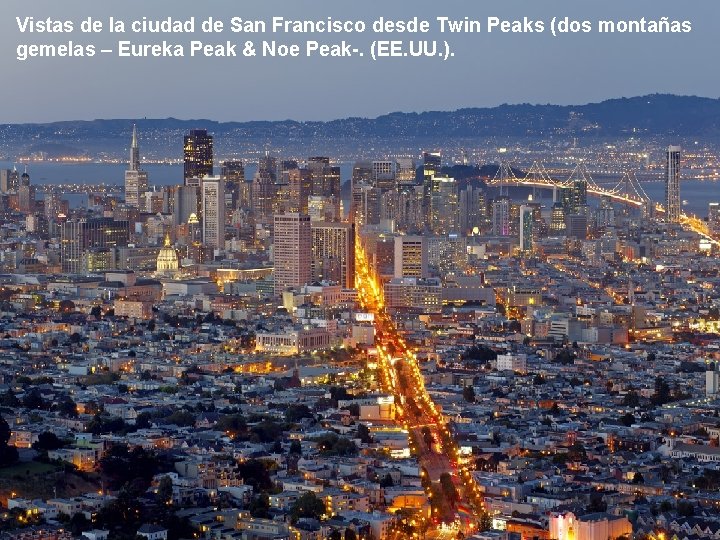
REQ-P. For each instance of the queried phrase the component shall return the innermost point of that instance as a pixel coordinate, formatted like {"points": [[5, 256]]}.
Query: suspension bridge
{"points": [[628, 189]]}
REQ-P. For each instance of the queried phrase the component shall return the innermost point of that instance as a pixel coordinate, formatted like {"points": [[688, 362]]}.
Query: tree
{"points": [[662, 391], [259, 506], [67, 407], [33, 400], [538, 379], [685, 508], [295, 447], [66, 306], [364, 434], [307, 505], [165, 490], [143, 420], [47, 441], [96, 312], [631, 399], [295, 413], [9, 399], [449, 489], [254, 473], [638, 478], [469, 394], [627, 419], [350, 534], [387, 481], [8, 454]]}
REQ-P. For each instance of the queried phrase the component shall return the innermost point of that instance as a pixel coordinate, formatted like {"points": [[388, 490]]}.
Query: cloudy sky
{"points": [[487, 69]]}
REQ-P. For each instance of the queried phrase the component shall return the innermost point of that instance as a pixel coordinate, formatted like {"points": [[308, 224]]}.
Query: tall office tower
{"points": [[333, 253], [80, 235], [432, 162], [405, 171], [579, 195], [605, 214], [565, 196], [383, 176], [411, 257], [136, 179], [444, 205], [472, 210], [198, 150], [264, 189], [576, 226], [361, 175], [300, 189], [365, 204], [672, 184], [13, 181], [325, 177], [557, 219], [409, 212], [5, 180], [26, 194], [501, 216], [233, 174], [526, 228], [186, 204], [388, 204], [213, 212], [292, 251], [714, 217], [52, 205]]}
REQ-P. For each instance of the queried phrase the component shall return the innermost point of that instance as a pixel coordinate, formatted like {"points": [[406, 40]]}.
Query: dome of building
{"points": [[167, 259]]}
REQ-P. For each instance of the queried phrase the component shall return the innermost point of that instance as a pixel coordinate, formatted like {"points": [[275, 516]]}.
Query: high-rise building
{"points": [[672, 184], [300, 189], [405, 171], [198, 150], [432, 162], [365, 204], [472, 209], [136, 179], [557, 219], [526, 228], [443, 205], [52, 204], [213, 212], [501, 216], [292, 251], [409, 213], [325, 177], [186, 203], [576, 226], [264, 188], [26, 194], [78, 236], [411, 257], [383, 176], [714, 217], [333, 253], [233, 174]]}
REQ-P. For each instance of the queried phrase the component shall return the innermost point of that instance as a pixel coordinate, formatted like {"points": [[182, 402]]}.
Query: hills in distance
{"points": [[661, 115]]}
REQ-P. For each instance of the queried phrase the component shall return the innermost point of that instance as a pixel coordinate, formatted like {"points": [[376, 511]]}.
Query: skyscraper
{"points": [[136, 179], [714, 217], [333, 253], [292, 251], [501, 216], [411, 257], [198, 150], [526, 228], [443, 205], [432, 162], [79, 236], [672, 184], [213, 212]]}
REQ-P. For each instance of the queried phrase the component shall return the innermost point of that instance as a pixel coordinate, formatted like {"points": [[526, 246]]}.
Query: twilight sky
{"points": [[487, 70]]}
